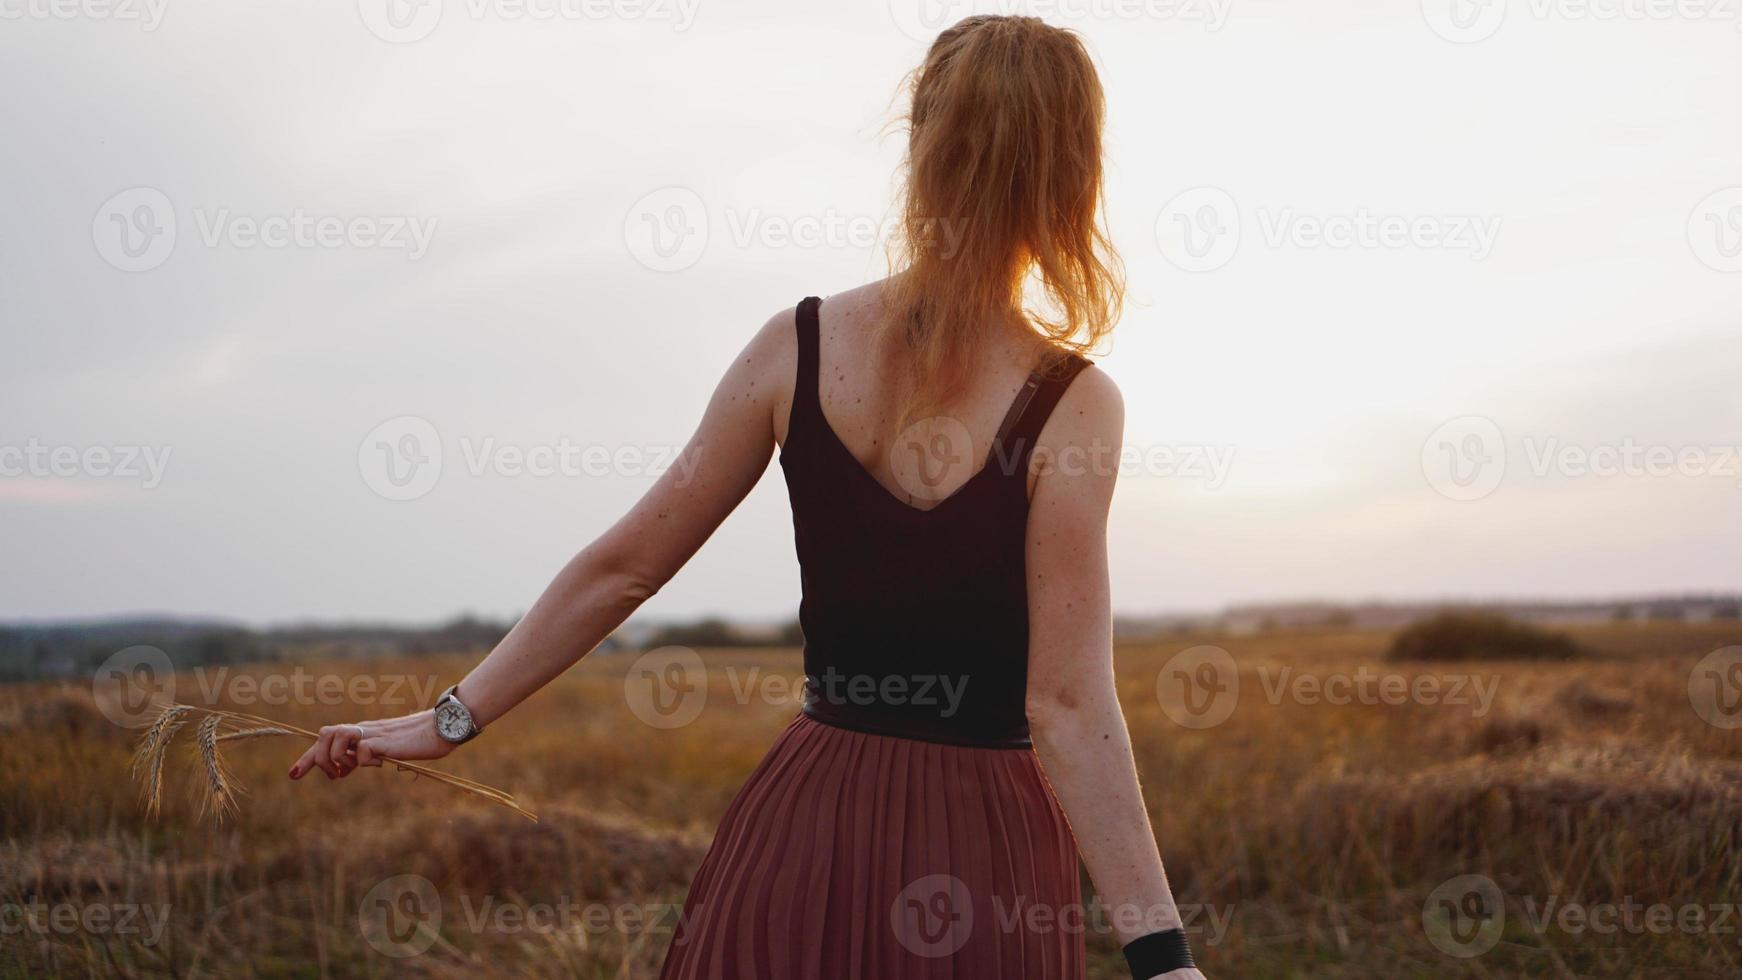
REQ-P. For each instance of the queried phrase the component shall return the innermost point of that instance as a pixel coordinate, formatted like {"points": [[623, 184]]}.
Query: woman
{"points": [[950, 464]]}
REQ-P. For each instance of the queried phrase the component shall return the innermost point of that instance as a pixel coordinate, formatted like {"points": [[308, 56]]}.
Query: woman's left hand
{"points": [[341, 749]]}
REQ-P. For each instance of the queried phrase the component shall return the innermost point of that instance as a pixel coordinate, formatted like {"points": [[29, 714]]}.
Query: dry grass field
{"points": [[1312, 835]]}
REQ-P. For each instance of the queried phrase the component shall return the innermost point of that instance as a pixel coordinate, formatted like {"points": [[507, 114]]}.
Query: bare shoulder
{"points": [[1091, 411], [770, 359], [867, 298], [1075, 466], [765, 367], [775, 339], [778, 338], [1076, 459], [760, 379], [846, 317]]}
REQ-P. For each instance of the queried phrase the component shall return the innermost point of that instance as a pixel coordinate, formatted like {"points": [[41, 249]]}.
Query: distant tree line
{"points": [[717, 632], [32, 651], [28, 652]]}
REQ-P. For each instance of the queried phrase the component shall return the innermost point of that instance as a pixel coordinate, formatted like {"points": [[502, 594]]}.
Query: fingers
{"points": [[332, 753], [324, 751], [304, 764], [345, 744], [338, 751]]}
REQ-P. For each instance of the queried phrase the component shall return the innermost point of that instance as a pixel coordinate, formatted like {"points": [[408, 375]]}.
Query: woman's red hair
{"points": [[1001, 218]]}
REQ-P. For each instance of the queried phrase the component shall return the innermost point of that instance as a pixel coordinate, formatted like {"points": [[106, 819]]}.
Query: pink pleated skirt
{"points": [[853, 856]]}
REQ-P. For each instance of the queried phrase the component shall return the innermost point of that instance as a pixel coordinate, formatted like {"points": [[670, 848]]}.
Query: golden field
{"points": [[1316, 833]]}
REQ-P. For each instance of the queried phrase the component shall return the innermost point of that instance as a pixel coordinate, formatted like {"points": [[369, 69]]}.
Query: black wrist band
{"points": [[1158, 953]]}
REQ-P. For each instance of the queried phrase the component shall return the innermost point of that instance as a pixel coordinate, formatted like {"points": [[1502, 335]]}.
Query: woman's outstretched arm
{"points": [[598, 588], [1073, 711]]}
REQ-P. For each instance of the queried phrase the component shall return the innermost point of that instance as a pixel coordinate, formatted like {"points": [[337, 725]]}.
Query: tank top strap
{"points": [[1029, 412], [804, 388]]}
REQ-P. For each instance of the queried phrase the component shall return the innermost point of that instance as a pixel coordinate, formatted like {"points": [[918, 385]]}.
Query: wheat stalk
{"points": [[219, 800], [248, 733], [153, 746], [221, 785]]}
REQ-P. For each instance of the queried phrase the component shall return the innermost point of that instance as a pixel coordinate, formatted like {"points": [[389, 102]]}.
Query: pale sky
{"points": [[1516, 374]]}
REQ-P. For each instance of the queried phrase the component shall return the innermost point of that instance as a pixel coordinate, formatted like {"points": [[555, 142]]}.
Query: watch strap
{"points": [[1158, 953]]}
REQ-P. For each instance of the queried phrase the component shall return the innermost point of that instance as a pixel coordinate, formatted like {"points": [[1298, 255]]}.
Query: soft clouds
{"points": [[524, 145]]}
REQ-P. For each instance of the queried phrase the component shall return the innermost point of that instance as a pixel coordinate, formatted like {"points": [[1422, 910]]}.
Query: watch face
{"points": [[452, 721]]}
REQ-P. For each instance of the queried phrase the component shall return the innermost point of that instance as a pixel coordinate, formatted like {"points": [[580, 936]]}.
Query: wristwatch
{"points": [[453, 719]]}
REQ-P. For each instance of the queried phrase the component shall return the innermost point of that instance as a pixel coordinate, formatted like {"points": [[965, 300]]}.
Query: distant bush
{"points": [[1585, 701], [710, 632], [1479, 636], [1501, 732]]}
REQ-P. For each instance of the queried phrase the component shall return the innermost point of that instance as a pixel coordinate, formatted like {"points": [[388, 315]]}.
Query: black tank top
{"points": [[915, 621]]}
